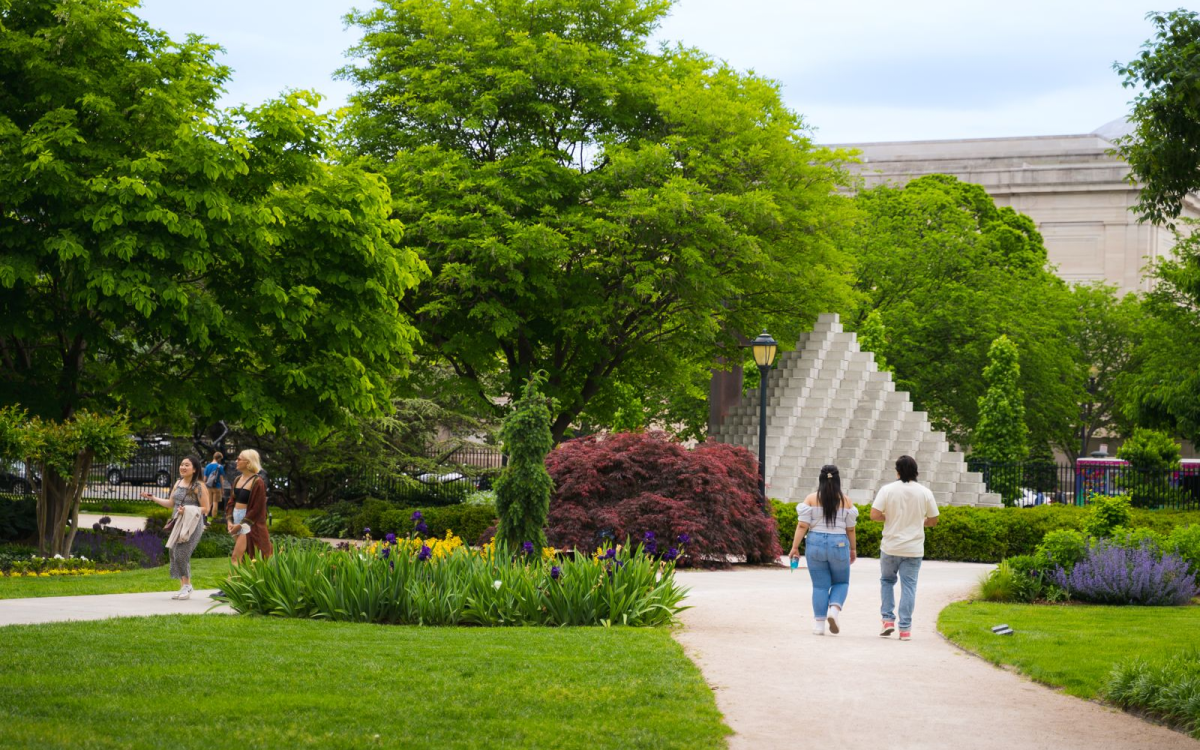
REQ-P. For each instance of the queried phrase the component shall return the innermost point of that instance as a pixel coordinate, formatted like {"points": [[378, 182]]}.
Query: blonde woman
{"points": [[246, 516], [189, 500]]}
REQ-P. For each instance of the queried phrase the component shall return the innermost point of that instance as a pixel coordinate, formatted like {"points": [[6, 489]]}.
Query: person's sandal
{"points": [[905, 635], [888, 628]]}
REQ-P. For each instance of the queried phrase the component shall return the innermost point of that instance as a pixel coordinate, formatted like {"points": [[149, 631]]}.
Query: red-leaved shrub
{"points": [[610, 487]]}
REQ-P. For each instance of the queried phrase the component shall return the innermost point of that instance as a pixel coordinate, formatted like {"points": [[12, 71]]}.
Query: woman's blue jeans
{"points": [[828, 559]]}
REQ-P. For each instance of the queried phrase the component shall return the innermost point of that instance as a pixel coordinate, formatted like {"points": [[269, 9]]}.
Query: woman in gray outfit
{"points": [[188, 491]]}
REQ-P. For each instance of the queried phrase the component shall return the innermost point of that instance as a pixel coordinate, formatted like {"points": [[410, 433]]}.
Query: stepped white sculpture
{"points": [[828, 402]]}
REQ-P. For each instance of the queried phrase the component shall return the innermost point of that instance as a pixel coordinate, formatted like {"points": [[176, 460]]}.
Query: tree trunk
{"points": [[58, 506]]}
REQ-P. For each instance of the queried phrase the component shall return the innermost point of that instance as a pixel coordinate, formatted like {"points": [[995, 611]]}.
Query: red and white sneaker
{"points": [[906, 635], [888, 628]]}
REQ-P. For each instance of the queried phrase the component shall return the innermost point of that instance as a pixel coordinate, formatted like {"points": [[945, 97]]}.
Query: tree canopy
{"points": [[948, 273], [1164, 385], [609, 214], [173, 258], [1164, 150]]}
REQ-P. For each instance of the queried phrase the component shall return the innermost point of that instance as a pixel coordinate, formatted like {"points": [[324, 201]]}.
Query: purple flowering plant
{"points": [[1118, 574]]}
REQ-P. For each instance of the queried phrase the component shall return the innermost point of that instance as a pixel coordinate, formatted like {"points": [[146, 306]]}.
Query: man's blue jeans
{"points": [[906, 568], [828, 560]]}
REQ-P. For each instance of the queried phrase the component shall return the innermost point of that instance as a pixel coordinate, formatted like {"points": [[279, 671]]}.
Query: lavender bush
{"points": [[141, 548], [1114, 574]]}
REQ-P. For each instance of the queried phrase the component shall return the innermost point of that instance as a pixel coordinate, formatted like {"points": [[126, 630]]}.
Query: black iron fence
{"points": [[444, 477], [1030, 483]]}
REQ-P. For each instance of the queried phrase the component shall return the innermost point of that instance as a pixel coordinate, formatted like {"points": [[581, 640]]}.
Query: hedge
{"points": [[966, 534]]}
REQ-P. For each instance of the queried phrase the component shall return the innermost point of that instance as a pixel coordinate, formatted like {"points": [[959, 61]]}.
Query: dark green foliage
{"points": [[1164, 150], [524, 488], [18, 519]]}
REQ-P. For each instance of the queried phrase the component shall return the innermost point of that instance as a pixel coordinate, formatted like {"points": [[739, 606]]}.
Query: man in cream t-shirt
{"points": [[906, 509]]}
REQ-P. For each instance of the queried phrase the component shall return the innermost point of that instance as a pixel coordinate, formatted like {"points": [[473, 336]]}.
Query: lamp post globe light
{"points": [[764, 354]]}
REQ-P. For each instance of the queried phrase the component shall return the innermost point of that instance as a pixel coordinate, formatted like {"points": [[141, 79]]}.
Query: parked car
{"points": [[152, 463], [17, 478]]}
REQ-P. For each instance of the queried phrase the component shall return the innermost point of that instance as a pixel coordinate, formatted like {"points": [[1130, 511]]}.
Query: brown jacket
{"points": [[258, 541]]}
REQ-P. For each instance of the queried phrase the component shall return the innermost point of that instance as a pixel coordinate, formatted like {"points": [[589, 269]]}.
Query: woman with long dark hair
{"points": [[827, 518], [189, 501]]}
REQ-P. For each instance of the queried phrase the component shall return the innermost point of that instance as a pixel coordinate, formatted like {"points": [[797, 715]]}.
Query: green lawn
{"points": [[206, 573], [219, 681], [1074, 647]]}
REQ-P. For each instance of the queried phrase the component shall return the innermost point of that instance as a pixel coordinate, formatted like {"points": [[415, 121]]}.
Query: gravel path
{"points": [[780, 686]]}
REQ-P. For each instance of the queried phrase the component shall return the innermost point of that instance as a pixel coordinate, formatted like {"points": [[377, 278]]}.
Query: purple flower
{"points": [[684, 538], [671, 554], [528, 547], [422, 528], [1114, 574], [555, 572], [425, 553], [416, 516], [610, 553], [390, 538]]}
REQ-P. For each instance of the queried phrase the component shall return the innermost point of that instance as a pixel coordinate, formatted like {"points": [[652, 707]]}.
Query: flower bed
{"points": [[440, 582], [58, 566]]}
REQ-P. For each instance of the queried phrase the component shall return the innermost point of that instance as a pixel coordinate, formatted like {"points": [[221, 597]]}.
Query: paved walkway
{"points": [[779, 686], [102, 607]]}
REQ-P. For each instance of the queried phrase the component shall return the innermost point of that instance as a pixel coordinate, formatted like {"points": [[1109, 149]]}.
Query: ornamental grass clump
{"points": [[1167, 688], [1111, 573], [412, 584]]}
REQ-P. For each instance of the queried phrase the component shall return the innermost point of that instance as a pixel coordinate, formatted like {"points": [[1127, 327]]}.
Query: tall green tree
{"points": [[1164, 386], [172, 258], [1164, 150], [948, 272], [524, 488], [1001, 434], [588, 206], [1105, 340]]}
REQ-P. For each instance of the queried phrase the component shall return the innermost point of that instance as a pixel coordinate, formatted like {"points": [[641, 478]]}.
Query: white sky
{"points": [[857, 70]]}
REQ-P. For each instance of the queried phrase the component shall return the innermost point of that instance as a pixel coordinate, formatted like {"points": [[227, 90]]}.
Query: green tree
{"points": [[1150, 450], [524, 488], [872, 337], [1001, 434], [1164, 150], [1164, 385], [947, 272], [1105, 339], [63, 452], [171, 258], [589, 207]]}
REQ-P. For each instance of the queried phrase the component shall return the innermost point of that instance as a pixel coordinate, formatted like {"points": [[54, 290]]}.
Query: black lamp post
{"points": [[764, 355]]}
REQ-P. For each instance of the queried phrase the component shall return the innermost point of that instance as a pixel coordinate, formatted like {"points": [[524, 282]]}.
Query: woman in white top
{"points": [[828, 518]]}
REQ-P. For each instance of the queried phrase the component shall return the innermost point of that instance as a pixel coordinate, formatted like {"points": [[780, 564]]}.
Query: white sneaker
{"points": [[818, 627], [184, 593], [831, 618]]}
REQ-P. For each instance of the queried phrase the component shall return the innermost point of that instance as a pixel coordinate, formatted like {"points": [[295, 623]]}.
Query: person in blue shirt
{"points": [[214, 479]]}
